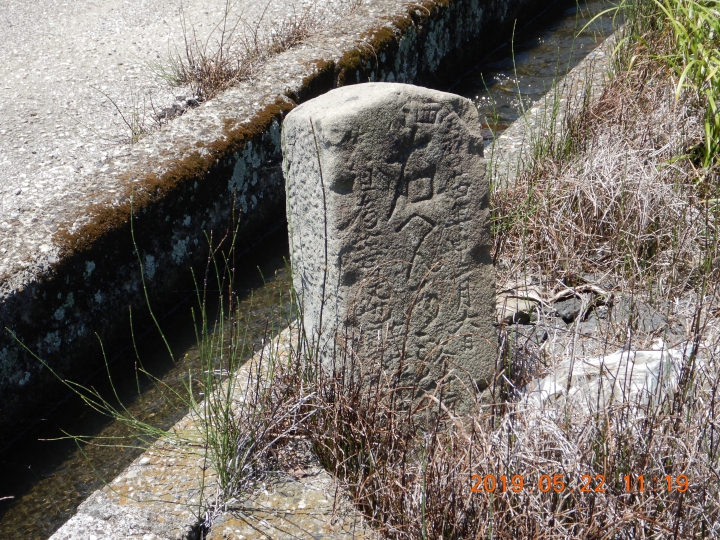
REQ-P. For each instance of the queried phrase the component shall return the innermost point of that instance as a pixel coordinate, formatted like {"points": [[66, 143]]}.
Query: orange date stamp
{"points": [[557, 483]]}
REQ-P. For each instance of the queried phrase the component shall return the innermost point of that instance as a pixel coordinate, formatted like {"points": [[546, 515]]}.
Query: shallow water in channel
{"points": [[49, 479], [519, 74]]}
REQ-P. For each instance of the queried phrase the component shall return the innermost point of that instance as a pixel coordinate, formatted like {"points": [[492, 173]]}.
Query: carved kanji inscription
{"points": [[387, 203]]}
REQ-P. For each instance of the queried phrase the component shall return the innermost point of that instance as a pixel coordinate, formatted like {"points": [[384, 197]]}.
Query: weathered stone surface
{"points": [[388, 211]]}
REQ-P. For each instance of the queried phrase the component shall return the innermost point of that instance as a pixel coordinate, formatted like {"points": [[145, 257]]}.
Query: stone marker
{"points": [[387, 203]]}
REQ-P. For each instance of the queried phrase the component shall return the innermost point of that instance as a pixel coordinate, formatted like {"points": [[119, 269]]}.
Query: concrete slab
{"points": [[65, 67]]}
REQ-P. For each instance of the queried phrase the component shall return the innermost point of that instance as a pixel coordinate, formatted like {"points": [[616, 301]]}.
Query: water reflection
{"points": [[507, 84]]}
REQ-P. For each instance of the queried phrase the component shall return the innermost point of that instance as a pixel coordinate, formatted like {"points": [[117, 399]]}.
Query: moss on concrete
{"points": [[149, 189]]}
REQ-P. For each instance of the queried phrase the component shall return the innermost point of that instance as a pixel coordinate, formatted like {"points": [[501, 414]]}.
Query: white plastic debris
{"points": [[638, 378]]}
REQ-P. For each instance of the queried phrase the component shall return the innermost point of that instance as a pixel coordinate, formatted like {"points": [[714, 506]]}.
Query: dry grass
{"points": [[617, 196], [409, 463], [623, 203], [416, 484], [237, 48], [209, 67], [206, 65]]}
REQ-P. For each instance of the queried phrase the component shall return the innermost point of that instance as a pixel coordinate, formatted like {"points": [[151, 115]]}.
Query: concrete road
{"points": [[67, 71]]}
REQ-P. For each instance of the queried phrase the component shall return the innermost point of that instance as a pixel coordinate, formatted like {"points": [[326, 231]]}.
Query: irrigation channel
{"points": [[47, 476]]}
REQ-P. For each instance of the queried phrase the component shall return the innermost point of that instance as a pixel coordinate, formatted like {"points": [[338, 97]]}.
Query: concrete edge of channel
{"points": [[214, 166], [105, 509], [510, 153], [171, 490]]}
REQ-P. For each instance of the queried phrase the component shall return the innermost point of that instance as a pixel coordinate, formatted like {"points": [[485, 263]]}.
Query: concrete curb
{"points": [[509, 154], [164, 494]]}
